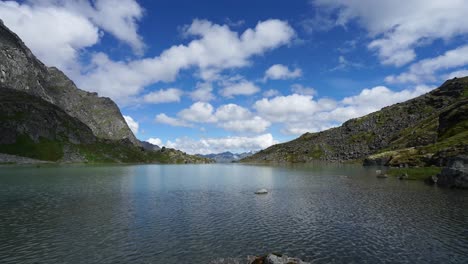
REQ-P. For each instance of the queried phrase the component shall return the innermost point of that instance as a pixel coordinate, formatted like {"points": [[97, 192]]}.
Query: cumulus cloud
{"points": [[271, 93], [214, 49], [155, 141], [301, 113], [255, 125], [78, 25], [203, 92], [34, 24], [230, 117], [217, 145], [281, 72], [164, 119], [457, 74], [425, 70], [119, 20], [301, 89], [132, 124], [241, 88], [199, 112], [398, 27], [163, 96]]}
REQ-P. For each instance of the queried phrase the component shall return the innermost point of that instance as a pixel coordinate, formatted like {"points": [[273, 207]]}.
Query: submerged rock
{"points": [[267, 259], [455, 175]]}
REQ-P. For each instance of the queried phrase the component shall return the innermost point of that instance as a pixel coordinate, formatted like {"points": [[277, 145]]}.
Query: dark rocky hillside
{"points": [[34, 128], [21, 70], [45, 117], [420, 132]]}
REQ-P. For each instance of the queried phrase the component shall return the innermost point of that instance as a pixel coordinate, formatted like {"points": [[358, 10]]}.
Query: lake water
{"points": [[199, 213]]}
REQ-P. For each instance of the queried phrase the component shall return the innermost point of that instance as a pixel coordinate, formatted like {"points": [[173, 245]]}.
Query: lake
{"points": [[322, 213]]}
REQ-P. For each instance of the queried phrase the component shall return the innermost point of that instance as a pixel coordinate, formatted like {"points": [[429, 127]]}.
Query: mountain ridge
{"points": [[45, 117], [21, 70], [417, 127]]}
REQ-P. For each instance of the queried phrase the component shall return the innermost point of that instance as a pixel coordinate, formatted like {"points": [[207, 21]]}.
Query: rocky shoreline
{"points": [[13, 159]]}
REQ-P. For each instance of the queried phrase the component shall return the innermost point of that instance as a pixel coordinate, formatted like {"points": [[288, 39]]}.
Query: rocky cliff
{"points": [[21, 70], [45, 117], [426, 130]]}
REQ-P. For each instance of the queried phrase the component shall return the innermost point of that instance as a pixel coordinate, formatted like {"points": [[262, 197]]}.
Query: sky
{"points": [[213, 76]]}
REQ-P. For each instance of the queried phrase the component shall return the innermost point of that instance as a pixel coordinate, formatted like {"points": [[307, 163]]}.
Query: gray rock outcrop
{"points": [[21, 70], [455, 175]]}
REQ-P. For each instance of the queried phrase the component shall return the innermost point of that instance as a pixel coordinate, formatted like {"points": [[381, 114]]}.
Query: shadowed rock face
{"points": [[21, 70], [455, 175], [423, 131]]}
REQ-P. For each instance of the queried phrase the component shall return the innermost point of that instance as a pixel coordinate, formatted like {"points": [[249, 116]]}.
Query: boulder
{"points": [[455, 175], [276, 259]]}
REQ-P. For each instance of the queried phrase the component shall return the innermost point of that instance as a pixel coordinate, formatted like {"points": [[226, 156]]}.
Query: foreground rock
{"points": [[268, 259], [455, 175]]}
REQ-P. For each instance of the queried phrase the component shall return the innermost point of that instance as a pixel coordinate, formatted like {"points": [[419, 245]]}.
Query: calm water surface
{"points": [[198, 213]]}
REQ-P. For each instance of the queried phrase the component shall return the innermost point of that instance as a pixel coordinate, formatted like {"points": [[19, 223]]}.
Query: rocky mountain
{"points": [[45, 117], [424, 131], [148, 146], [226, 157], [21, 70]]}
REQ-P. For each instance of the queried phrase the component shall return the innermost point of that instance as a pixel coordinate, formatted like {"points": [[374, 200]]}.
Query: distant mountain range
{"points": [[44, 116], [227, 157], [424, 131]]}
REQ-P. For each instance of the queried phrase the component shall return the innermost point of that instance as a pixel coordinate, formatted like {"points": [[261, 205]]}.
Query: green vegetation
{"points": [[44, 149], [420, 174], [362, 137], [316, 152]]}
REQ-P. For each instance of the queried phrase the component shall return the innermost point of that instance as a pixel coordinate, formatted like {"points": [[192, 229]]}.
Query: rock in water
{"points": [[277, 259], [455, 175], [261, 191]]}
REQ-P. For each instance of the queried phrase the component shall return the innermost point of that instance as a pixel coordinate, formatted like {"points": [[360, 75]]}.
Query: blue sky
{"points": [[210, 76]]}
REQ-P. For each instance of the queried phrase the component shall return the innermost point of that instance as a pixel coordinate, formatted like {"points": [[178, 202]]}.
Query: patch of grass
{"points": [[419, 174], [44, 149], [362, 137], [316, 152], [458, 139], [465, 91]]}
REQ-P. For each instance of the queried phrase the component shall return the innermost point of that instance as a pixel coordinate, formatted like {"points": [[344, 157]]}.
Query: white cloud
{"points": [[232, 112], [132, 124], [163, 96], [34, 24], [214, 49], [254, 125], [155, 141], [303, 90], [217, 145], [199, 112], [203, 92], [398, 27], [301, 113], [457, 74], [281, 72], [164, 119], [344, 64], [271, 93], [241, 88], [426, 69], [230, 117], [119, 20]]}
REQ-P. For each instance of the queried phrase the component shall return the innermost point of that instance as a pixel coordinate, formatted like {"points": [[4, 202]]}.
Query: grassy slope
{"points": [[24, 117], [393, 132]]}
